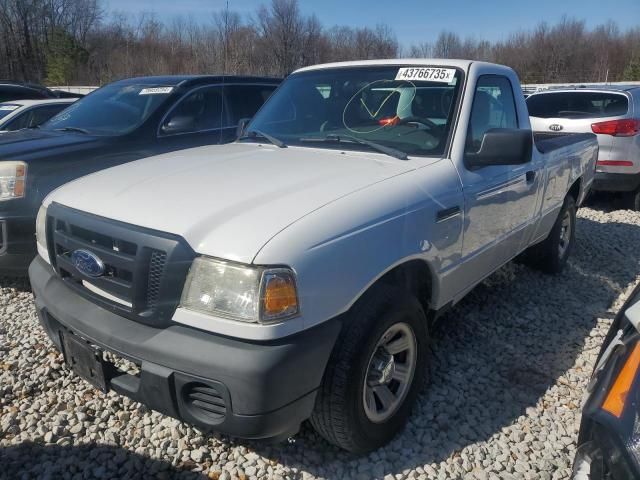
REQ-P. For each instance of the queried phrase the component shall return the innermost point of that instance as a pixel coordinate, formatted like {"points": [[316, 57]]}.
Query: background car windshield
{"points": [[413, 116], [577, 105], [112, 110]]}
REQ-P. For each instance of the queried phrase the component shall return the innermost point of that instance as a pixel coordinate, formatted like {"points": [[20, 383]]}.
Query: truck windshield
{"points": [[407, 109], [112, 110]]}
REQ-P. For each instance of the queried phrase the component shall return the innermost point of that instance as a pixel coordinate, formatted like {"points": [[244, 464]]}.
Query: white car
{"points": [[293, 274], [613, 114], [20, 114]]}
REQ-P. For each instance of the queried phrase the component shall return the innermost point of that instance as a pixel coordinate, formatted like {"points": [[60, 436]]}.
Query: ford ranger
{"points": [[294, 273]]}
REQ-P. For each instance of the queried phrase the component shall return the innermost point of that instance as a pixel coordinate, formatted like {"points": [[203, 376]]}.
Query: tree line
{"points": [[66, 42]]}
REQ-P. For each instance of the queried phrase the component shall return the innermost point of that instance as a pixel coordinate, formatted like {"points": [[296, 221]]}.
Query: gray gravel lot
{"points": [[511, 363]]}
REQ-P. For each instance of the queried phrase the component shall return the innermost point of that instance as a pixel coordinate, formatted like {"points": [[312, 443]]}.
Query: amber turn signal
{"points": [[279, 295], [617, 396]]}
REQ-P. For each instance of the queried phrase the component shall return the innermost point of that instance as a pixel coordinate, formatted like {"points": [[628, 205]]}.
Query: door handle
{"points": [[531, 176]]}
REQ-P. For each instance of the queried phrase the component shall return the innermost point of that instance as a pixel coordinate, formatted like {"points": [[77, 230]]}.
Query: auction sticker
{"points": [[427, 74], [156, 91], [9, 108]]}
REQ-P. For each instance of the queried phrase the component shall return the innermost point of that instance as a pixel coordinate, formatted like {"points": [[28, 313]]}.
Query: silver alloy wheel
{"points": [[565, 234], [390, 372]]}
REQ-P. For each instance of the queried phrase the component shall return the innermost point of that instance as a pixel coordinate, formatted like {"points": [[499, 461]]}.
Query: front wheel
{"points": [[375, 372], [551, 255]]}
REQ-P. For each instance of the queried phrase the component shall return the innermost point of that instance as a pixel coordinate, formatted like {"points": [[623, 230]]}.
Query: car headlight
{"points": [[41, 227], [241, 292], [13, 178]]}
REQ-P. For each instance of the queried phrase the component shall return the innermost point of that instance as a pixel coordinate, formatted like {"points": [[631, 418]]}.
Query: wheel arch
{"points": [[576, 191], [414, 275]]}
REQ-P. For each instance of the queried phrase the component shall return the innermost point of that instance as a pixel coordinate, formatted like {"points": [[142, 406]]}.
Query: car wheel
{"points": [[551, 255], [375, 372], [633, 201]]}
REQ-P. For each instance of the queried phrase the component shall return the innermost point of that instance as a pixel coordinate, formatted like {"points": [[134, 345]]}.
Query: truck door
{"points": [[499, 199]]}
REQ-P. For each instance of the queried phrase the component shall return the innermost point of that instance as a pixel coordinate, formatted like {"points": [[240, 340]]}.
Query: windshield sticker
{"points": [[429, 74], [156, 91], [9, 108]]}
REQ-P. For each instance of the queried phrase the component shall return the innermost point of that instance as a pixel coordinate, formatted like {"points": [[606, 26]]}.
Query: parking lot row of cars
{"points": [[293, 273]]}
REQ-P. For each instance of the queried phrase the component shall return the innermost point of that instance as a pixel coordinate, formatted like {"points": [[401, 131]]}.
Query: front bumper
{"points": [[18, 244], [268, 388], [616, 182]]}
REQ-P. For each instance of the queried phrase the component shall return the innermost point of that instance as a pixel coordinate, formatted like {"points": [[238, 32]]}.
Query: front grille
{"points": [[204, 401], [156, 270], [144, 270]]}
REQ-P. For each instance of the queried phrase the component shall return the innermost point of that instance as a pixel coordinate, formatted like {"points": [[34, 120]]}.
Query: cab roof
{"points": [[444, 62]]}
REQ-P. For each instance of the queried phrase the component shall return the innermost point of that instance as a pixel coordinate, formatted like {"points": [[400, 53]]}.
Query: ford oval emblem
{"points": [[556, 127], [87, 263]]}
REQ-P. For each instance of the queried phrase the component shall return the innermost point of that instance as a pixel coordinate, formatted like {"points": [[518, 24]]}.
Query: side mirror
{"points": [[242, 126], [179, 124], [502, 146]]}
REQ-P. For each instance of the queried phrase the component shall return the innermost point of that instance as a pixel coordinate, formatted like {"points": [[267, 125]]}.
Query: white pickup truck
{"points": [[294, 274]]}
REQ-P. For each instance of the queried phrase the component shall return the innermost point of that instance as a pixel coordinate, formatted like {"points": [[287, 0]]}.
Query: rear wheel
{"points": [[375, 372], [551, 255], [633, 200]]}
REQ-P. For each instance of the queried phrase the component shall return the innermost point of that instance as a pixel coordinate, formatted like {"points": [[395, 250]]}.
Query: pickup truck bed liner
{"points": [[547, 142]]}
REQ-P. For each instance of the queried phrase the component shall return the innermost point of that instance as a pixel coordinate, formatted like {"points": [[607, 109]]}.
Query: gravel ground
{"points": [[510, 367]]}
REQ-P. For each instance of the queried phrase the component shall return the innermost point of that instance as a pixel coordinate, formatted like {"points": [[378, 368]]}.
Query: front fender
{"points": [[343, 248]]}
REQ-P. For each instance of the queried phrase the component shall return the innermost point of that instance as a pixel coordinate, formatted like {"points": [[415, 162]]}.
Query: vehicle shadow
{"points": [[21, 284], [607, 201], [49, 462], [496, 354]]}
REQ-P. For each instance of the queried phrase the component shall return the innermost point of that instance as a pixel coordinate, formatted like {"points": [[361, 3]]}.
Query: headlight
{"points": [[241, 292], [13, 177], [41, 227]]}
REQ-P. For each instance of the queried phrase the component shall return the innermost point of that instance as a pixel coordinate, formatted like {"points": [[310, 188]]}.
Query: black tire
{"points": [[548, 256], [339, 414], [633, 200]]}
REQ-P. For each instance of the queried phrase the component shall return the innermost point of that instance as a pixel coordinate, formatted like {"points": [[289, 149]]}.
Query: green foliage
{"points": [[63, 57], [632, 70]]}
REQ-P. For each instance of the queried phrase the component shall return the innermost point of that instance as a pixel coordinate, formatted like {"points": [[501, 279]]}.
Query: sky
{"points": [[415, 21]]}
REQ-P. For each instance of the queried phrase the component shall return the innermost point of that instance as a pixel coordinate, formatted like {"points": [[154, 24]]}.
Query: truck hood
{"points": [[26, 143], [227, 201]]}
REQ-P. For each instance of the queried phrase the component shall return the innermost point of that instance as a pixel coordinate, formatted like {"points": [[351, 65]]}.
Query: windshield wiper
{"points": [[72, 129], [257, 133], [392, 152]]}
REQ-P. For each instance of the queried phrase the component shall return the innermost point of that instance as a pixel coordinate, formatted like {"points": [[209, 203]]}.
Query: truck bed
{"points": [[547, 142]]}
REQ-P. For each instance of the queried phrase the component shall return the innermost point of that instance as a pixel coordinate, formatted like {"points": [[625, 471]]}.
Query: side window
{"points": [[200, 110], [245, 100], [19, 122], [493, 107], [42, 114]]}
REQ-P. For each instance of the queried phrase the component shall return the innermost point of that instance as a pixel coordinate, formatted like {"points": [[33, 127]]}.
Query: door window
{"points": [[245, 100], [19, 122], [44, 113], [201, 110], [493, 107]]}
